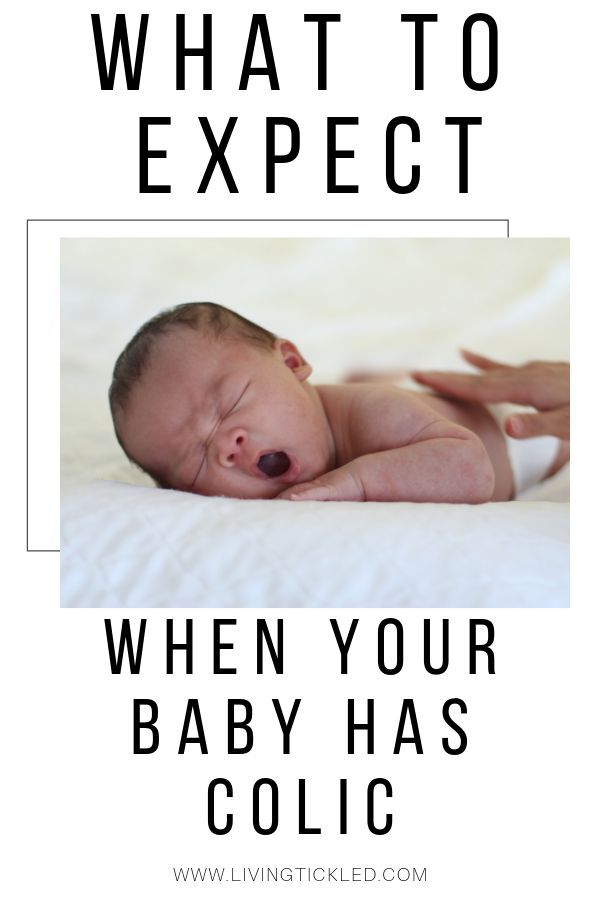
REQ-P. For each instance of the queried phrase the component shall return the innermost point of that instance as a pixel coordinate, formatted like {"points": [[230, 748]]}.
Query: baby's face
{"points": [[220, 416]]}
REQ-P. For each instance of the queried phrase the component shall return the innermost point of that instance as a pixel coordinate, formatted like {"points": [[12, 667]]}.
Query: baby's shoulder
{"points": [[369, 399], [374, 399], [380, 416]]}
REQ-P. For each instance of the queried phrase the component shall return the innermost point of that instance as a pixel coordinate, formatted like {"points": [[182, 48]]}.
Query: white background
{"points": [[512, 814]]}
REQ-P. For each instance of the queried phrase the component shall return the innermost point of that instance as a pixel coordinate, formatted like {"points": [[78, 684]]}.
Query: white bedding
{"points": [[347, 303]]}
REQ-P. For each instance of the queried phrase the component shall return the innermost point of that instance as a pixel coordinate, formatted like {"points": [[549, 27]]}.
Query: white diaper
{"points": [[530, 459]]}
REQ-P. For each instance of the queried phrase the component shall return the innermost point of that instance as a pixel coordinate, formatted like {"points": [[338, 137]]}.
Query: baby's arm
{"points": [[437, 460]]}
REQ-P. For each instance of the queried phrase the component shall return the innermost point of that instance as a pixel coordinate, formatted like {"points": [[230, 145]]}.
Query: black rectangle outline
{"points": [[48, 550]]}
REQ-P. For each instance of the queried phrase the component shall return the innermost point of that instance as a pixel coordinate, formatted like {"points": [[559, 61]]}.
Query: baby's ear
{"points": [[293, 359]]}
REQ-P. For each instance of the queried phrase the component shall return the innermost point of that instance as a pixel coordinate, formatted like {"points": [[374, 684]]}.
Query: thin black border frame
{"points": [[27, 221]]}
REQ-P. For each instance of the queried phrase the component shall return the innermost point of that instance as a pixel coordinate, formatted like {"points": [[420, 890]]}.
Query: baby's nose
{"points": [[231, 447]]}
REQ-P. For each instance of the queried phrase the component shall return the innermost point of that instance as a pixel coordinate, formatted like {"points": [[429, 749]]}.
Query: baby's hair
{"points": [[209, 318]]}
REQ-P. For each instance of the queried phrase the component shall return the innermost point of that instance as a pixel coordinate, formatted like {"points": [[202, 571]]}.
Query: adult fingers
{"points": [[481, 362], [540, 384], [492, 387], [553, 422]]}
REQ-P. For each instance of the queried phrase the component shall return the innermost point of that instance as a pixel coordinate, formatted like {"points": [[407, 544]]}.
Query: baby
{"points": [[204, 400]]}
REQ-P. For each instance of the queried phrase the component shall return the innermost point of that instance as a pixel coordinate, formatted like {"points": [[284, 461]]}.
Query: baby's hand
{"points": [[339, 484]]}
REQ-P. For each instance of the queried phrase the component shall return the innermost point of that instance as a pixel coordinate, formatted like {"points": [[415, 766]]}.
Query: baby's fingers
{"points": [[312, 492], [298, 491]]}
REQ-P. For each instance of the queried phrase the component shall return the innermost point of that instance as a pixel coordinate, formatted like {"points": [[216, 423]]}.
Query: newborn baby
{"points": [[206, 401]]}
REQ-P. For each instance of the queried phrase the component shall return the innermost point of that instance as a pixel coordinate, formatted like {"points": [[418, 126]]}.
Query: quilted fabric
{"points": [[124, 545]]}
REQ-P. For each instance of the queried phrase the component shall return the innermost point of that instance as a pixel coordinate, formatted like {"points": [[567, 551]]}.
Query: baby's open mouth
{"points": [[273, 465]]}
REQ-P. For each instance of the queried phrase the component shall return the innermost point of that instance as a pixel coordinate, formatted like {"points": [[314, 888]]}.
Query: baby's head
{"points": [[204, 400]]}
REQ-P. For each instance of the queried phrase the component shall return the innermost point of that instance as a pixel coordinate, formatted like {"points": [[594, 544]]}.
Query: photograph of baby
{"points": [[202, 379]]}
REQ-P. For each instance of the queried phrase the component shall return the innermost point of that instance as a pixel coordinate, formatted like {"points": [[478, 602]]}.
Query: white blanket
{"points": [[348, 304]]}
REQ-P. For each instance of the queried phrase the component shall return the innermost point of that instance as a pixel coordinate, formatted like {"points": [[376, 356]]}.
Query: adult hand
{"points": [[543, 385]]}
